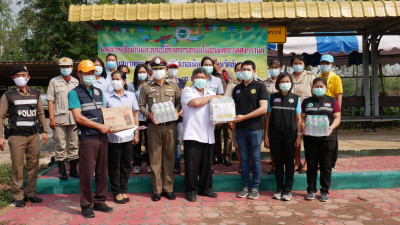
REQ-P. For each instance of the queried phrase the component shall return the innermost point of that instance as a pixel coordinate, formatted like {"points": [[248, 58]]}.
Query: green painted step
{"points": [[233, 183]]}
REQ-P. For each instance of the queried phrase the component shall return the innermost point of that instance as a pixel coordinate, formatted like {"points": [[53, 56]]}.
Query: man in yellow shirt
{"points": [[334, 89]]}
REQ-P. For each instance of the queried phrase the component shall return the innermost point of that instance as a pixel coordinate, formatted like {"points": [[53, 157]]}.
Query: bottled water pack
{"points": [[164, 112], [317, 126]]}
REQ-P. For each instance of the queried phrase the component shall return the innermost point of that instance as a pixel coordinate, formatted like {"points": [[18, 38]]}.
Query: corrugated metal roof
{"points": [[233, 11]]}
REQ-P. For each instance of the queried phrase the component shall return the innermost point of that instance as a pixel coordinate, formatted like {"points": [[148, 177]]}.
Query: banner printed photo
{"points": [[186, 42]]}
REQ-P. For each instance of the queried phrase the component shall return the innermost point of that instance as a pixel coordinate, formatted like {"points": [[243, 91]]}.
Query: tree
{"points": [[5, 24], [51, 36]]}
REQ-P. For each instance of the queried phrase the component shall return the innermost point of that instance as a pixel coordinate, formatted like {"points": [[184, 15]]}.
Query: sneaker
{"points": [[243, 193], [277, 195], [102, 208], [253, 194], [148, 169], [310, 196], [324, 197], [286, 196], [87, 212], [333, 169], [136, 169]]}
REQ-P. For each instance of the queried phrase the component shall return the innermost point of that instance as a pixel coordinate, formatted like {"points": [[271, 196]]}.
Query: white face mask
{"points": [[99, 70], [20, 81], [172, 72], [159, 74], [117, 84]]}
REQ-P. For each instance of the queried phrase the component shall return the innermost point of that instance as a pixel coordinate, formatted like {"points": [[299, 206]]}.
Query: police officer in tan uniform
{"points": [[160, 136], [25, 111], [61, 119]]}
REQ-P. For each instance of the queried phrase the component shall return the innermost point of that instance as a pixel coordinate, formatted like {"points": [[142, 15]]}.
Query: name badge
{"points": [[277, 100], [237, 91], [328, 105]]}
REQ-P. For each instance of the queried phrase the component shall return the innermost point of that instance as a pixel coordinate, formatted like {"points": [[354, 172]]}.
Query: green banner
{"points": [[186, 42]]}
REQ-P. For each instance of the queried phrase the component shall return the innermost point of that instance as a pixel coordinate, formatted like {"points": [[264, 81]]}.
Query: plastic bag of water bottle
{"points": [[317, 125], [222, 110], [164, 112]]}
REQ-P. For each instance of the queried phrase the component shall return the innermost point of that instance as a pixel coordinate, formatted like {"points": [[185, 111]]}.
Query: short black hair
{"points": [[278, 81], [198, 70], [123, 76], [249, 62], [275, 61], [110, 54], [320, 79], [238, 64], [204, 59], [299, 57], [123, 66]]}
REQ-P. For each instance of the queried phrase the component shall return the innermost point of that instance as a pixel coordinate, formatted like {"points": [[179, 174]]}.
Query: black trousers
{"points": [[283, 153], [226, 154], [119, 166], [335, 154], [137, 149], [319, 153], [198, 161]]}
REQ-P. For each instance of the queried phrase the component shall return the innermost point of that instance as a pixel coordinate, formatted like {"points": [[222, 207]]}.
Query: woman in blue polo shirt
{"points": [[283, 133], [120, 144]]}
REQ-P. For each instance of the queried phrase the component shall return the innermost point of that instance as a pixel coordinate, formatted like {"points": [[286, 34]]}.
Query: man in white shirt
{"points": [[198, 136]]}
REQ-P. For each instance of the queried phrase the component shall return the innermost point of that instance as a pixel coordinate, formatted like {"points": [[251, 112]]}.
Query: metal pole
{"points": [[279, 48], [374, 76], [366, 90]]}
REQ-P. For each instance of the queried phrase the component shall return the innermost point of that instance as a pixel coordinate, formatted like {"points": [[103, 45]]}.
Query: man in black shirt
{"points": [[251, 104]]}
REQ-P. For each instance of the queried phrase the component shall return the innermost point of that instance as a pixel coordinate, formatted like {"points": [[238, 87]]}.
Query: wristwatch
{"points": [[300, 134]]}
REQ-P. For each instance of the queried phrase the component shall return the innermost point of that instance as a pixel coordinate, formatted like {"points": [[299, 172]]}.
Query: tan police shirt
{"points": [[270, 85], [229, 75], [154, 93], [230, 86], [57, 92], [4, 110], [302, 87]]}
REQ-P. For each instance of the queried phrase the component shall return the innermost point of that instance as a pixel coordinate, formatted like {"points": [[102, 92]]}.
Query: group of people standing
{"points": [[273, 110]]}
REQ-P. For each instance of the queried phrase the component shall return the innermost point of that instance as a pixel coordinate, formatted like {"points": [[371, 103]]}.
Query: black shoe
{"points": [[126, 199], [302, 171], [62, 171], [87, 212], [191, 198], [169, 195], [220, 160], [20, 203], [102, 208], [215, 162], [227, 163], [271, 171], [122, 201], [210, 195], [72, 169], [156, 197], [177, 168], [34, 199]]}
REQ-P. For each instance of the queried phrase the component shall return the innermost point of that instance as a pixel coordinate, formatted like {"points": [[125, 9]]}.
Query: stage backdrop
{"points": [[186, 42]]}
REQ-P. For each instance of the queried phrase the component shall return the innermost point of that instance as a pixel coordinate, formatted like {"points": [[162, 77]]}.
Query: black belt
{"points": [[162, 124]]}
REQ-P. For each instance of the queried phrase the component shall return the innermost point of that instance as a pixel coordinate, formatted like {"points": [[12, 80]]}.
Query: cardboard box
{"points": [[118, 118]]}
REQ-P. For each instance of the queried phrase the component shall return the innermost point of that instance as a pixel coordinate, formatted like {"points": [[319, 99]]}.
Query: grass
{"points": [[5, 183]]}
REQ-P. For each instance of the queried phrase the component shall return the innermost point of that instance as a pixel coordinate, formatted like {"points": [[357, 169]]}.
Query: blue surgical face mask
{"points": [[200, 83], [319, 91], [89, 79], [111, 64], [285, 86], [238, 75], [326, 68], [99, 70], [208, 69], [274, 72], [246, 75], [142, 76], [66, 71], [298, 68]]}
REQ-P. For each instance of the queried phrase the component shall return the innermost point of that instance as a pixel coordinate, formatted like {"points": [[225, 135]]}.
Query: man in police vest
{"points": [[85, 103], [25, 111], [61, 120]]}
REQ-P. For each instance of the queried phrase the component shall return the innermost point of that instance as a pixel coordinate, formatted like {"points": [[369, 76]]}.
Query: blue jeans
{"points": [[179, 134], [249, 142]]}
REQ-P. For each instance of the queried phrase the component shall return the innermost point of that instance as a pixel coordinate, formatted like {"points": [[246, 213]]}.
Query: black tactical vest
{"points": [[22, 112]]}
